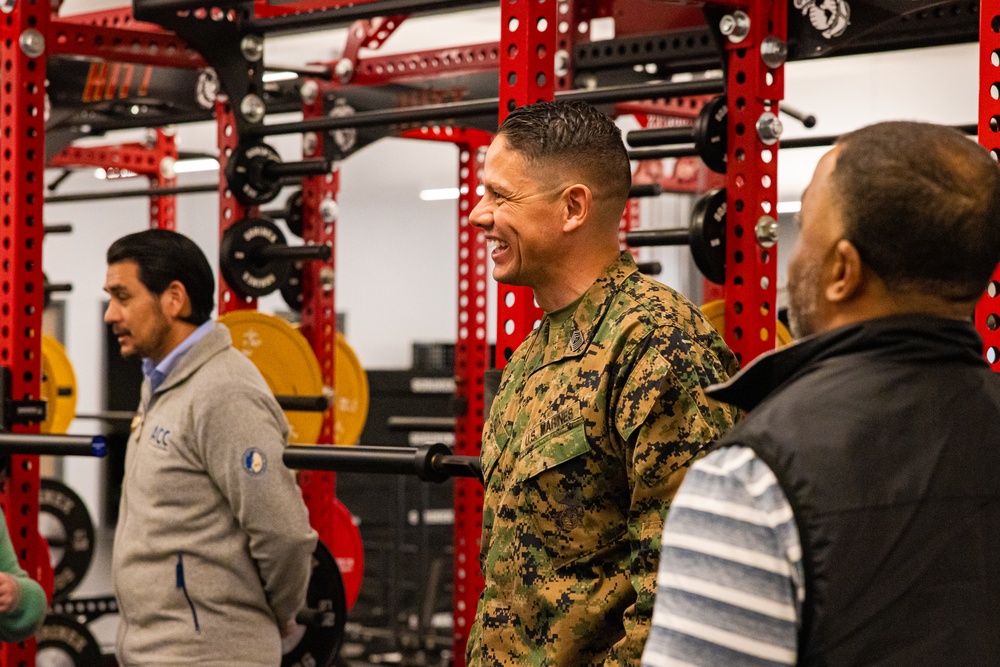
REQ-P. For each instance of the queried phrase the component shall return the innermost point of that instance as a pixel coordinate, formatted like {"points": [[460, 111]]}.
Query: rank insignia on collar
{"points": [[576, 341]]}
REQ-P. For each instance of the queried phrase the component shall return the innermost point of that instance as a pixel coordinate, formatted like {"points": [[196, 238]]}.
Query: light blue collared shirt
{"points": [[157, 374]]}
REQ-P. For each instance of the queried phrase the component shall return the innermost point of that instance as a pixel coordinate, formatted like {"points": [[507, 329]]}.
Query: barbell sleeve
{"points": [[109, 416], [295, 253], [649, 268], [303, 403], [54, 445], [658, 237], [397, 423], [660, 136], [275, 170], [645, 190]]}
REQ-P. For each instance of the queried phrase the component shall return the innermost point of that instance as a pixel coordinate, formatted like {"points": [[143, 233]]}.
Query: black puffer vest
{"points": [[885, 437]]}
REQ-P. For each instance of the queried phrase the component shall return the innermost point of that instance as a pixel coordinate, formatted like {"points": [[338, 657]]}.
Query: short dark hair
{"points": [[164, 256], [921, 203], [575, 134]]}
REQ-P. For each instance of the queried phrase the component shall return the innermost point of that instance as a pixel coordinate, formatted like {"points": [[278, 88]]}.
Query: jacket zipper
{"points": [[181, 585]]}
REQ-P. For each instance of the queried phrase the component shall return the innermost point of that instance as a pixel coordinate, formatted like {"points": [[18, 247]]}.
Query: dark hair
{"points": [[921, 203], [574, 134], [164, 256]]}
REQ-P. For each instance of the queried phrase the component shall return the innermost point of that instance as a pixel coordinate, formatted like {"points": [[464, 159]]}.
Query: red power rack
{"points": [[534, 59]]}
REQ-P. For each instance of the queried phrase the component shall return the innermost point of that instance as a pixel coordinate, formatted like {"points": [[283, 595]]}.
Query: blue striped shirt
{"points": [[730, 584], [158, 373]]}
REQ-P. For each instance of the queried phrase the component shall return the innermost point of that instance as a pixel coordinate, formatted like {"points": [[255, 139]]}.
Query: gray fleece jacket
{"points": [[213, 546]]}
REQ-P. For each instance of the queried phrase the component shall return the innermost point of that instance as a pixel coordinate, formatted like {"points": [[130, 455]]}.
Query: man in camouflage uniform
{"points": [[599, 412]]}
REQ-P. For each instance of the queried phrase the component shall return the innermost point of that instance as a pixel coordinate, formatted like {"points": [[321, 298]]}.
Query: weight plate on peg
{"points": [[240, 261], [316, 644], [64, 522], [246, 174], [63, 642], [291, 289], [58, 387], [711, 134], [351, 394], [707, 238], [287, 362], [293, 212], [348, 550], [715, 313]]}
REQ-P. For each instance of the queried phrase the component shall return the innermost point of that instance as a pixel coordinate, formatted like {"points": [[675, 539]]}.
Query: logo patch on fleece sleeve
{"points": [[254, 462]]}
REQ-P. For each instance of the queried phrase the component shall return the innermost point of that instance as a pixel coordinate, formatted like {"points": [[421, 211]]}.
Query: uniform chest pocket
{"points": [[572, 513]]}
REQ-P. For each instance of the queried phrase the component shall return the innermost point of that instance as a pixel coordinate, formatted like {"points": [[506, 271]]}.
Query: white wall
{"points": [[396, 255]]}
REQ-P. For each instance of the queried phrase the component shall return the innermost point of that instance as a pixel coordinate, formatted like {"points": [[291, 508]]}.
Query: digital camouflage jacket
{"points": [[592, 429]]}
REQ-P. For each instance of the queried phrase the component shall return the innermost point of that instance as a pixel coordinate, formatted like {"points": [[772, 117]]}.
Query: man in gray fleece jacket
{"points": [[212, 553]]}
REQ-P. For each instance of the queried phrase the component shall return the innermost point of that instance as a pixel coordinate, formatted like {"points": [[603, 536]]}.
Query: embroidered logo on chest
{"points": [[159, 437]]}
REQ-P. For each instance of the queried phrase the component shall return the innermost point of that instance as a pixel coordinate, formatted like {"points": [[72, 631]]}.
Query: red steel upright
{"points": [[753, 92], [988, 310], [23, 34], [319, 319], [528, 41], [230, 210]]}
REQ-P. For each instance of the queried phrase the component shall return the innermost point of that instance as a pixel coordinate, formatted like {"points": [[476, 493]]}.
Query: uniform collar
{"points": [[572, 337]]}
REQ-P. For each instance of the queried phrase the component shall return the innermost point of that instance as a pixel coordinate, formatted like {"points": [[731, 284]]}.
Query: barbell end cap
{"points": [[99, 446]]}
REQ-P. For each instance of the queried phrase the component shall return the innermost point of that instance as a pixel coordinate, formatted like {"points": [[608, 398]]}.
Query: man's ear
{"points": [[579, 200], [175, 300], [847, 274]]}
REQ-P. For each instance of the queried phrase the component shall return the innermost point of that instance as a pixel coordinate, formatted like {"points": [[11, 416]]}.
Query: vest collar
{"points": [[910, 338]]}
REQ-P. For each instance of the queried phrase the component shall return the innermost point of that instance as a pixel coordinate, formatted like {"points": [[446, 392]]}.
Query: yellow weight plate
{"points": [[58, 387], [352, 395], [715, 312], [287, 362]]}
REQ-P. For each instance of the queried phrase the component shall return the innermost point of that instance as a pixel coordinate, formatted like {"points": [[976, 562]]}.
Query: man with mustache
{"points": [[854, 516], [599, 411], [212, 553]]}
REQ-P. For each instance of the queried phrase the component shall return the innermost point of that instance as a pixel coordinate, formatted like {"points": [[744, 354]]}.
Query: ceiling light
{"points": [[196, 164], [273, 77]]}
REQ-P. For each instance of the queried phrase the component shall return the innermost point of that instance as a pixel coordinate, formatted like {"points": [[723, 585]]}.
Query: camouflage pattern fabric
{"points": [[594, 425]]}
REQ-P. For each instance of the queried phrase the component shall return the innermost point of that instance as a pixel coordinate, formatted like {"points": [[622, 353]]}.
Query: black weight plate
{"points": [[62, 642], [293, 217], [291, 289], [65, 524], [711, 134], [246, 174], [708, 235], [318, 644], [239, 261]]}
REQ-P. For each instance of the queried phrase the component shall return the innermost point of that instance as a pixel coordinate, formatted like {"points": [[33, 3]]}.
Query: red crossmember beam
{"points": [[135, 44]]}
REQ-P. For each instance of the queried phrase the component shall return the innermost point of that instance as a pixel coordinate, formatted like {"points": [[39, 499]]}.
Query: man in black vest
{"points": [[854, 517]]}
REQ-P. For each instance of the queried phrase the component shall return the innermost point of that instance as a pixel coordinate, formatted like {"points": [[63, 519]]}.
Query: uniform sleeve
{"points": [[243, 438], [665, 420], [730, 584], [27, 617]]}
